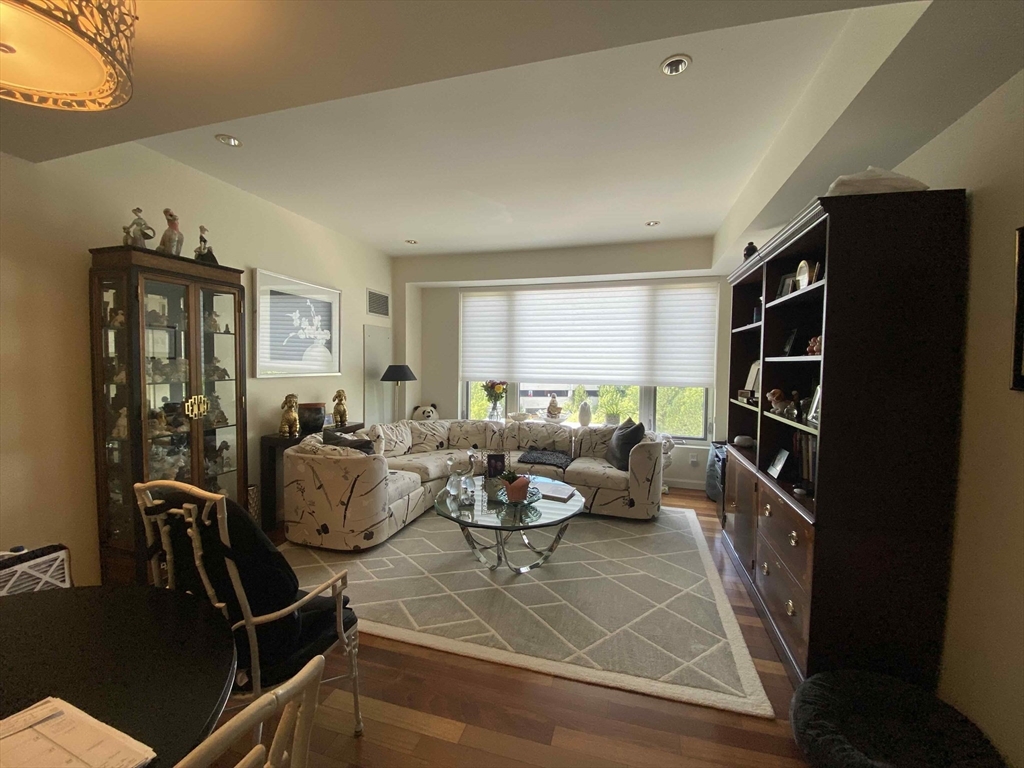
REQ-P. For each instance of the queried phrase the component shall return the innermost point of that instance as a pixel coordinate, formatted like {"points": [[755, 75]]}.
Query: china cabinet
{"points": [[168, 366]]}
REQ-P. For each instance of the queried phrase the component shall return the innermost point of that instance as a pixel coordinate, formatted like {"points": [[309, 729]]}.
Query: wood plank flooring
{"points": [[427, 708]]}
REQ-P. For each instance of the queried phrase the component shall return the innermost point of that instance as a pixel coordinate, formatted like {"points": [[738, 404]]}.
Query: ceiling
{"points": [[205, 61], [571, 151]]}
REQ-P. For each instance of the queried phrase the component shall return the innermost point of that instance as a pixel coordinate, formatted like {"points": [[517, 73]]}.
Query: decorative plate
{"points": [[803, 275]]}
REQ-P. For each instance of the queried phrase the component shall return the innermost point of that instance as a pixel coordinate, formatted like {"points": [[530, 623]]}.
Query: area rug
{"points": [[636, 605]]}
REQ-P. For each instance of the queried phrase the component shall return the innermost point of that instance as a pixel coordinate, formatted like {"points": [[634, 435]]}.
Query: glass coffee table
{"points": [[506, 519]]}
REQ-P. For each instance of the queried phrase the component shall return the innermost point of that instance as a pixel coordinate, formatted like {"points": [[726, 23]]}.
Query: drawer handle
{"points": [[793, 539], [767, 510], [790, 608], [764, 568]]}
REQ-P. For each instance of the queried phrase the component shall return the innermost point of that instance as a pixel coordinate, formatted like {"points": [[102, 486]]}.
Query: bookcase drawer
{"points": [[788, 532], [788, 605]]}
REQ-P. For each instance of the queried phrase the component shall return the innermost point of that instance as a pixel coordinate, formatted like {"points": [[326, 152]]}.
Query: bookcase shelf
{"points": [[865, 500]]}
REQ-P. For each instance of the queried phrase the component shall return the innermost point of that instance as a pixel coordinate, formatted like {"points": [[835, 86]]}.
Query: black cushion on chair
{"points": [[853, 719]]}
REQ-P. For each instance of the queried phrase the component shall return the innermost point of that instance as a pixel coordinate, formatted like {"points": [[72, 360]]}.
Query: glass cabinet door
{"points": [[115, 466], [219, 350], [167, 396]]}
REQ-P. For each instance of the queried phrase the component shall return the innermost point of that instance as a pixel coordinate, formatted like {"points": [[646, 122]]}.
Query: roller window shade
{"points": [[646, 334]]}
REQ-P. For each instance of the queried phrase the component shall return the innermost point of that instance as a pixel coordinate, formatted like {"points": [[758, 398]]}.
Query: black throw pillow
{"points": [[551, 458], [344, 441], [625, 436]]}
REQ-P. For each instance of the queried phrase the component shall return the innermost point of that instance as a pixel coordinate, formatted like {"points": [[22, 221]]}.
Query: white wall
{"points": [[983, 662], [50, 215]]}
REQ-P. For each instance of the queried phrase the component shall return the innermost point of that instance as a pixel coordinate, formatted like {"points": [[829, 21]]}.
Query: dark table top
{"points": [[154, 663]]}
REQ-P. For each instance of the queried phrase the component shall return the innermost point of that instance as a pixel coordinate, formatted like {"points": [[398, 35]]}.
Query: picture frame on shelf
{"points": [[754, 376], [495, 464], [814, 412], [789, 347], [297, 327], [786, 285], [816, 274], [1017, 378], [778, 463]]}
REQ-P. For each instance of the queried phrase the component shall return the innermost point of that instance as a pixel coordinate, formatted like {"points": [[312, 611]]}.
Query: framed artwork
{"points": [[1017, 380], [495, 464], [786, 285], [790, 343], [298, 327], [779, 463], [814, 412]]}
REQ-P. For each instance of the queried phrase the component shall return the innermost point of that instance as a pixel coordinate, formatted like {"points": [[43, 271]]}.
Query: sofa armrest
{"points": [[645, 472], [326, 497]]}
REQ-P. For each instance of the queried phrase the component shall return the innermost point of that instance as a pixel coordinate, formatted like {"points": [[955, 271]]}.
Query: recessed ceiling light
{"points": [[225, 138], [412, 242], [676, 63], [651, 223]]}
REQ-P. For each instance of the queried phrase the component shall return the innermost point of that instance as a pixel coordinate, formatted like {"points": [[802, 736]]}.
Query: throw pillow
{"points": [[551, 458], [344, 441], [622, 441]]}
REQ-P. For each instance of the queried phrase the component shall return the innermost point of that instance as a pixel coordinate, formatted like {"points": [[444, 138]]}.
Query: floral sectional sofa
{"points": [[340, 498]]}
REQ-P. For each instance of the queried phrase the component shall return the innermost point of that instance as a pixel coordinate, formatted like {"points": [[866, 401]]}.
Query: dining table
{"points": [[156, 664]]}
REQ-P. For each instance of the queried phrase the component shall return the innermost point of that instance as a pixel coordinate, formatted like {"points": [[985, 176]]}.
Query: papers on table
{"points": [[54, 734]]}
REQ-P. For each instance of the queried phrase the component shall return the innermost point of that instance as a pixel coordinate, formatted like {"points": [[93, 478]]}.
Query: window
{"points": [[681, 411]]}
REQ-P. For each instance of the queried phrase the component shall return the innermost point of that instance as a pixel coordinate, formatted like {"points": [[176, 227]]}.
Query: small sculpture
{"points": [[215, 416], [116, 318], [554, 409], [214, 372], [340, 408], [138, 232], [814, 346], [290, 417], [204, 253], [216, 457], [172, 239], [154, 317], [120, 430], [210, 322], [778, 401], [157, 423], [793, 408], [584, 415], [749, 251]]}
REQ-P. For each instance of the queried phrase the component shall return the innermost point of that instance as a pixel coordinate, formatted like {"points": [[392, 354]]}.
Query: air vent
{"points": [[378, 304]]}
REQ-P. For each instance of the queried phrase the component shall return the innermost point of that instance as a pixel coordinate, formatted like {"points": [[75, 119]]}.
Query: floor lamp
{"points": [[398, 374]]}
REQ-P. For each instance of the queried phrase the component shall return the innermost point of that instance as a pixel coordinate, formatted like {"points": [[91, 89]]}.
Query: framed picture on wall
{"points": [[1017, 380], [297, 327]]}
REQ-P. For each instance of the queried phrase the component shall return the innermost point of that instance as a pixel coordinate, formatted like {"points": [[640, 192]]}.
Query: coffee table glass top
{"points": [[508, 517]]}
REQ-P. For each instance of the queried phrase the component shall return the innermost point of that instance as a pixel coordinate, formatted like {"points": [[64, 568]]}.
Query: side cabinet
{"points": [[740, 515]]}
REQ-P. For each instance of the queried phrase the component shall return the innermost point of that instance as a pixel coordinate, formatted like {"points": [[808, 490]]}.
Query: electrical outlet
{"points": [[693, 460]]}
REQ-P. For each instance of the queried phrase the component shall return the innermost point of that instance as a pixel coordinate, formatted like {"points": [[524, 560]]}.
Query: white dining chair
{"points": [[296, 701], [156, 513]]}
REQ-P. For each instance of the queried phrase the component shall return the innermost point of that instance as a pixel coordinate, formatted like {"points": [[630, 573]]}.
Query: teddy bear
{"points": [[425, 413]]}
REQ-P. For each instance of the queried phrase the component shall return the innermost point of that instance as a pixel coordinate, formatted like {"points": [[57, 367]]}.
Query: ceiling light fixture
{"points": [[228, 139], [651, 223], [676, 63], [412, 242], [73, 55]]}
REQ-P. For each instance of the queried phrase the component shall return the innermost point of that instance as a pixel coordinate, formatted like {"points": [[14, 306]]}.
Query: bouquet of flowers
{"points": [[495, 391]]}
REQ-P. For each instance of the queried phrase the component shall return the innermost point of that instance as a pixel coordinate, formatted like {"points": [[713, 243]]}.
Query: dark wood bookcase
{"points": [[854, 571], [168, 368]]}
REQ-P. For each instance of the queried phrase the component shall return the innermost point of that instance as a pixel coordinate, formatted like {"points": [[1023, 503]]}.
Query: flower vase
{"points": [[495, 414], [519, 490]]}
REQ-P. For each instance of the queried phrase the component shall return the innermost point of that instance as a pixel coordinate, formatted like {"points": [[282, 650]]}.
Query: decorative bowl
{"points": [[519, 416], [556, 419]]}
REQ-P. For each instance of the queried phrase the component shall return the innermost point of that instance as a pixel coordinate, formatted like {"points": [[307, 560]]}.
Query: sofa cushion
{"points": [[391, 439], [478, 434], [592, 441], [314, 445], [429, 466], [623, 440], [539, 436], [596, 473], [401, 484], [344, 441], [428, 436], [541, 470], [551, 458]]}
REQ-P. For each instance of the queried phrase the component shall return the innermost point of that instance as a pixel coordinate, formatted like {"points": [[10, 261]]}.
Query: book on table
{"points": [[556, 491]]}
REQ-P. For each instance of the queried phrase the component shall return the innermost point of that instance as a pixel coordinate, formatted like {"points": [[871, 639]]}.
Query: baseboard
{"points": [[693, 485]]}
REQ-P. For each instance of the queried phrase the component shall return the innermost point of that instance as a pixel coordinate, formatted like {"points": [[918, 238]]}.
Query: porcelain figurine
{"points": [[584, 415], [172, 239], [120, 430], [138, 232], [554, 409], [340, 408], [204, 253], [778, 401], [290, 417], [211, 322], [116, 318]]}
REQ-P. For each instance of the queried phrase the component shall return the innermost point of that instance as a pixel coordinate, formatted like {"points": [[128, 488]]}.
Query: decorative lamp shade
{"points": [[67, 54], [398, 373]]}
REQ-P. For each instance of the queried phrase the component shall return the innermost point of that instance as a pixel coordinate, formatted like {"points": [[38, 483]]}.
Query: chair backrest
{"points": [[296, 701]]}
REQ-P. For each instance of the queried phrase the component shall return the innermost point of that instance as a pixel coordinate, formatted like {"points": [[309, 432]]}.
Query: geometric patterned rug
{"points": [[633, 604]]}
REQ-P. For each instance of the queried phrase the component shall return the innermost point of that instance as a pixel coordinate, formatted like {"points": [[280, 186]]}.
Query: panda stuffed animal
{"points": [[425, 413]]}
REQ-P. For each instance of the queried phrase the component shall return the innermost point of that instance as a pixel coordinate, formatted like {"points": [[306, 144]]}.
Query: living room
{"points": [[617, 154]]}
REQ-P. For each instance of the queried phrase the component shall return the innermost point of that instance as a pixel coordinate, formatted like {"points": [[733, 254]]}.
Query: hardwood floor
{"points": [[428, 708]]}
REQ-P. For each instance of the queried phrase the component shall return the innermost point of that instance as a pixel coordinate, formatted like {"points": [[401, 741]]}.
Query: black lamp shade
{"points": [[398, 373]]}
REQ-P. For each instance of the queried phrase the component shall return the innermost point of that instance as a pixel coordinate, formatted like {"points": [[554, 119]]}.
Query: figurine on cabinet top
{"points": [[138, 231], [340, 408], [172, 239], [211, 322], [204, 253], [290, 417]]}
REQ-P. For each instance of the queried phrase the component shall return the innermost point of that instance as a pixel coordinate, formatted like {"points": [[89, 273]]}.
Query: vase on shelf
{"points": [[496, 412], [311, 417]]}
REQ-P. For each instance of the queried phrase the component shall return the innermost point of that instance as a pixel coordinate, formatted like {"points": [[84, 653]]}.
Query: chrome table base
{"points": [[501, 555]]}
